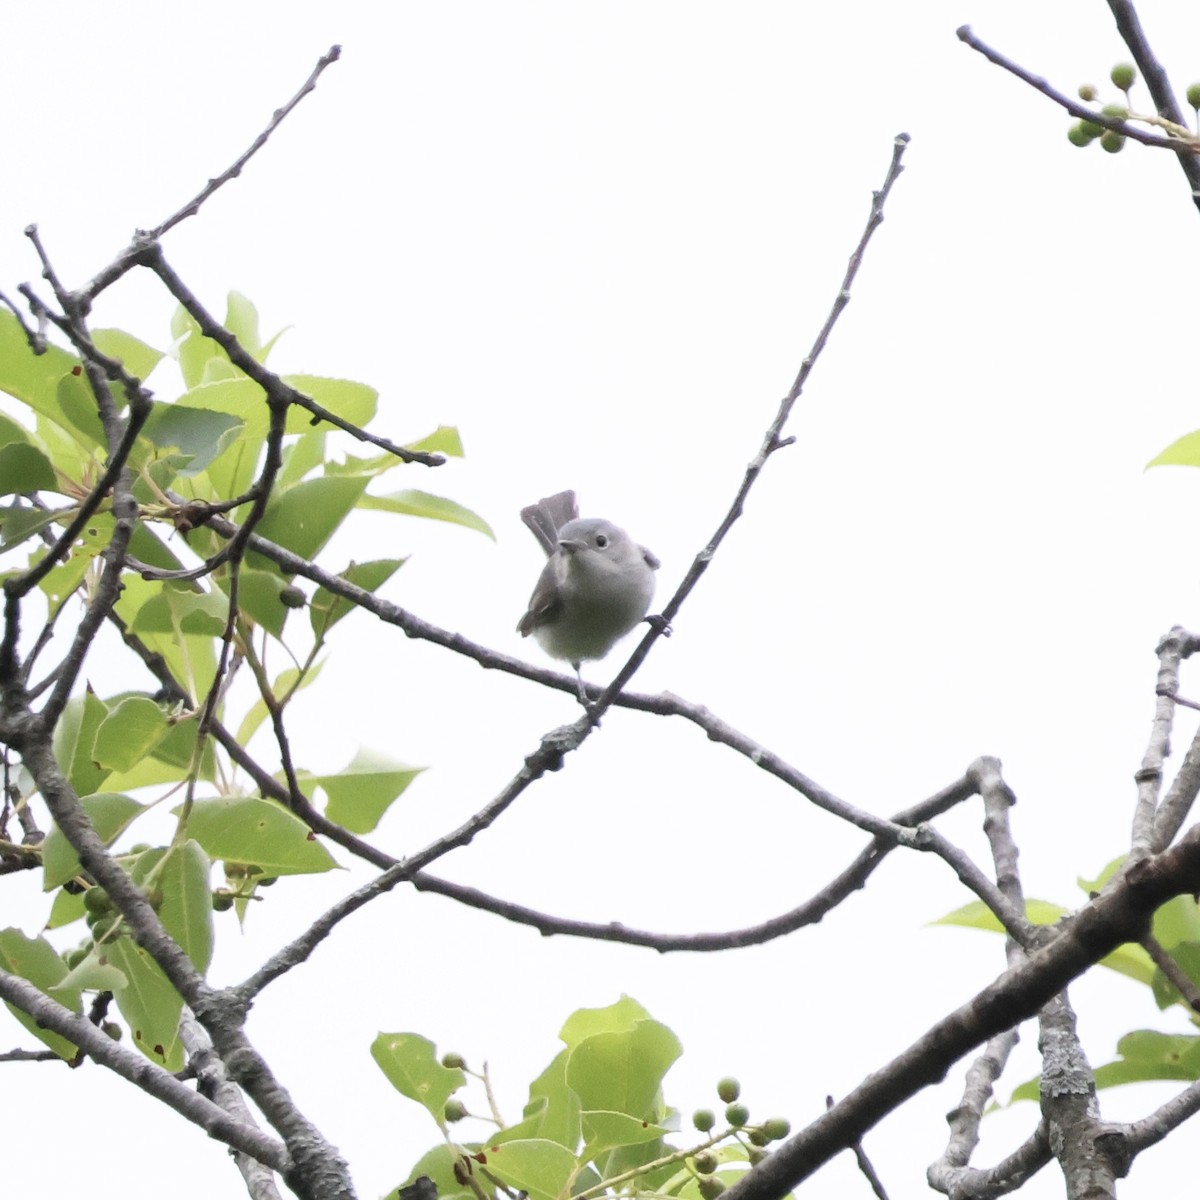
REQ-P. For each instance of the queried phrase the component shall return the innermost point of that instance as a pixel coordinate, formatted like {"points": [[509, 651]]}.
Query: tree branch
{"points": [[153, 1080]]}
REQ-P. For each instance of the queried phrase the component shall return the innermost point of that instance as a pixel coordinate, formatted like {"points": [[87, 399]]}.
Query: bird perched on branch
{"points": [[596, 586]]}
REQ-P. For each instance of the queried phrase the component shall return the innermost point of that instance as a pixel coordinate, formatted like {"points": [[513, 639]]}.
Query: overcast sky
{"points": [[599, 238]]}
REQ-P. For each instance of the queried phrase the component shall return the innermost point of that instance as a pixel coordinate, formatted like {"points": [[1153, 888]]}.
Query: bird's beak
{"points": [[571, 545]]}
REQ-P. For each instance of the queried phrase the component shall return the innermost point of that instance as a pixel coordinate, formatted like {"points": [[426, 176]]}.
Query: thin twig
{"points": [[1175, 974], [278, 392], [1177, 145], [1171, 651], [1129, 26], [129, 257], [773, 440], [864, 1163]]}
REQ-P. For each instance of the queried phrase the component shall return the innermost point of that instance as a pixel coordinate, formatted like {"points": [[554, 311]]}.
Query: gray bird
{"points": [[596, 586]]}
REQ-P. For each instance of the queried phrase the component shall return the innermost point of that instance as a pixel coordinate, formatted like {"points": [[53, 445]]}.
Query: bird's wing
{"points": [[544, 604]]}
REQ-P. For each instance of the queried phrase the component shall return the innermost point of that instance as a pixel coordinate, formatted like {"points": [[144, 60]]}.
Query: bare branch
{"points": [[1130, 28], [131, 1065], [214, 1082], [278, 392], [1177, 145], [130, 256], [1119, 915]]}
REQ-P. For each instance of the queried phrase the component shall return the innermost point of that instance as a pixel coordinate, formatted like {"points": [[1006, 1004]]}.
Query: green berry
{"points": [[74, 957], [710, 1186], [1193, 95], [729, 1089], [1118, 112], [776, 1128], [704, 1119], [1087, 92], [1078, 136], [1113, 142], [455, 1110], [755, 1155], [112, 1029], [222, 901], [96, 901], [737, 1115], [103, 926], [705, 1162], [1091, 128], [455, 1062], [757, 1137], [1123, 76], [292, 597]]}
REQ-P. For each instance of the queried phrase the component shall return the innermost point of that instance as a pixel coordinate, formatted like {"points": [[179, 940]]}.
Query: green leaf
{"points": [[258, 598], [94, 974], [64, 909], [232, 472], [443, 440], [77, 403], [138, 358], [554, 1106], [619, 1017], [110, 814], [622, 1071], [24, 468], [362, 791], [186, 909], [192, 348], [1177, 922], [325, 609], [604, 1131], [241, 319], [130, 732], [199, 434], [60, 581], [421, 504], [180, 607], [411, 1065], [541, 1168], [246, 829], [18, 522], [977, 915], [170, 762], [305, 454], [148, 1002], [1183, 452], [31, 378], [13, 434], [191, 658], [438, 1164], [74, 736], [303, 518], [35, 960]]}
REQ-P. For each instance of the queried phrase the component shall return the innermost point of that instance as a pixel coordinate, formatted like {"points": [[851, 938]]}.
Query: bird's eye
{"points": [[601, 541]]}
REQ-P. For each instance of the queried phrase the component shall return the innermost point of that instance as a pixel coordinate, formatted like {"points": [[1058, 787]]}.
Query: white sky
{"points": [[599, 238]]}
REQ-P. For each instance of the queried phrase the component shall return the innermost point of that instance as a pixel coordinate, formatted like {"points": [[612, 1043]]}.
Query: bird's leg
{"points": [[581, 690]]}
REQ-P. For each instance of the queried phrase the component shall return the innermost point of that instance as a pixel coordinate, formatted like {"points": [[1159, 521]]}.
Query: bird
{"points": [[597, 583]]}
